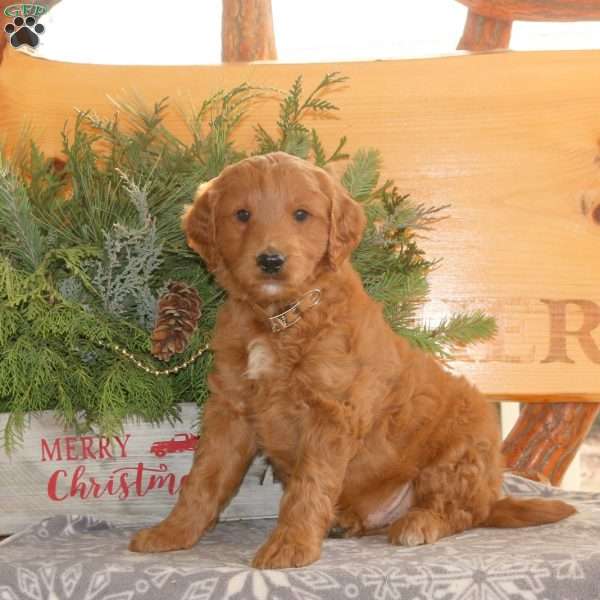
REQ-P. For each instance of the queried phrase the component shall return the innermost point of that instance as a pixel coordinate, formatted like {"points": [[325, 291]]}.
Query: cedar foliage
{"points": [[87, 249]]}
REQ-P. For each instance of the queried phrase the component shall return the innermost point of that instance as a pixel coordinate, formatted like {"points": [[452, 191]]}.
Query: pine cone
{"points": [[179, 310]]}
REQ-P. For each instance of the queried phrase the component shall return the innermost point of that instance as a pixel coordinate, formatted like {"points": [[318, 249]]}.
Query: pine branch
{"points": [[422, 338], [318, 150], [400, 212], [265, 141], [465, 328], [11, 323], [313, 102], [294, 137], [290, 106], [118, 384], [20, 235], [362, 174], [337, 154], [451, 334], [319, 156], [297, 142]]}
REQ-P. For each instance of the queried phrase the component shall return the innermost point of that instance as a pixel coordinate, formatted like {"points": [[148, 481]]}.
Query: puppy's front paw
{"points": [[284, 550], [415, 528], [161, 538]]}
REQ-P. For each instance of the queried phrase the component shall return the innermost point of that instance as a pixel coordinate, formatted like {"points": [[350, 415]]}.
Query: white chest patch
{"points": [[271, 288], [260, 359]]}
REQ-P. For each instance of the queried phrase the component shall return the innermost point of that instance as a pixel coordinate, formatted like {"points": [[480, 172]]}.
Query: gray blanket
{"points": [[79, 558]]}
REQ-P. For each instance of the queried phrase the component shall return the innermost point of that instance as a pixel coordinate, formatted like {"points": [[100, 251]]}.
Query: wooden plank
{"points": [[484, 33], [54, 473], [510, 140], [536, 10], [558, 399]]}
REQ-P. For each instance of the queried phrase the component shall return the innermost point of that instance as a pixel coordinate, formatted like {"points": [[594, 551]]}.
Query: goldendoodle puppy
{"points": [[366, 432]]}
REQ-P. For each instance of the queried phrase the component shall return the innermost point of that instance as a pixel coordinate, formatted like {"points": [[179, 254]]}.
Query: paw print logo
{"points": [[24, 31]]}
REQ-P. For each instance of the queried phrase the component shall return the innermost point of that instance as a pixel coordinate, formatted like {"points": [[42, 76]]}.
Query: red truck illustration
{"points": [[180, 442]]}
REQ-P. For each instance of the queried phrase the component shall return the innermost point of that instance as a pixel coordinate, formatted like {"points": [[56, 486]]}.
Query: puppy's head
{"points": [[270, 225]]}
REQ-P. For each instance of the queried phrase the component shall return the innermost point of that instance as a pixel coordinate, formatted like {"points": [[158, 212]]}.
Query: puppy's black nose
{"points": [[270, 263]]}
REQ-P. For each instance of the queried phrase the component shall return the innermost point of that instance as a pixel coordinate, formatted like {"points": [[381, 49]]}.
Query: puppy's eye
{"points": [[300, 215], [242, 215]]}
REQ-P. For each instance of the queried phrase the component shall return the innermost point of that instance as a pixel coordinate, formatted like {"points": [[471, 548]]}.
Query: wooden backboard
{"points": [[510, 140]]}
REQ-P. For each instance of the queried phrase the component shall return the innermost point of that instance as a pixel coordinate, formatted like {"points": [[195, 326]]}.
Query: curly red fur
{"points": [[348, 413]]}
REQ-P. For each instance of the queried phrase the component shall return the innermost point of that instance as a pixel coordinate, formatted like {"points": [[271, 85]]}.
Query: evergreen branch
{"points": [[75, 260], [465, 328], [43, 180], [138, 197], [12, 435], [337, 154], [295, 137], [422, 338], [404, 213], [265, 141], [118, 384], [362, 174], [318, 150], [450, 334], [11, 323], [297, 142], [397, 288], [290, 106], [312, 102], [20, 235], [320, 157]]}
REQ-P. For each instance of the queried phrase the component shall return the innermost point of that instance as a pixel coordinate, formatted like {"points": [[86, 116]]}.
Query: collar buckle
{"points": [[293, 314]]}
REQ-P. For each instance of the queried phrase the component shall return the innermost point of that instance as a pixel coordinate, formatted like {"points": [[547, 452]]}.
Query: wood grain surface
{"points": [[546, 437], [484, 33], [54, 471], [247, 31], [509, 140], [536, 10]]}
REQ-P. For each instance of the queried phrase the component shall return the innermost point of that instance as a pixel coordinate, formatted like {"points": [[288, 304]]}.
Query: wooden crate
{"points": [[132, 480]]}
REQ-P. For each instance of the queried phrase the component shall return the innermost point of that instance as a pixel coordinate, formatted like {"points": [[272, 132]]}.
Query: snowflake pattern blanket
{"points": [[81, 558]]}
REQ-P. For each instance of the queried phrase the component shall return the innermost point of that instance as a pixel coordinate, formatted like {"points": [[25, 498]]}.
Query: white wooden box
{"points": [[132, 480]]}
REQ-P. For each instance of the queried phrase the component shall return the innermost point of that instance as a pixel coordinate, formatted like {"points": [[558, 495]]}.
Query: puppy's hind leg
{"points": [[453, 494]]}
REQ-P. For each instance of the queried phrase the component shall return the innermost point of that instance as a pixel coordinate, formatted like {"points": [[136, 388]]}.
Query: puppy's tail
{"points": [[524, 512]]}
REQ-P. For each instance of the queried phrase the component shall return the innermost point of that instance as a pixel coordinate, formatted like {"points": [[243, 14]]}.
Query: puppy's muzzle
{"points": [[270, 263]]}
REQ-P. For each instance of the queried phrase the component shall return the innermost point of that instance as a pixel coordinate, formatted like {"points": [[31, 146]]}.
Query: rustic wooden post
{"points": [[247, 32], [484, 33], [536, 10], [489, 22], [546, 437]]}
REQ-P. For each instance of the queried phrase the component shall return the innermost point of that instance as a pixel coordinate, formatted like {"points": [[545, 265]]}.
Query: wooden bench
{"points": [[489, 22], [510, 140]]}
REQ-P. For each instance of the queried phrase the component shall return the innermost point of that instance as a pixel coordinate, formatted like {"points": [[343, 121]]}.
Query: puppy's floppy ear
{"points": [[347, 222], [199, 224]]}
